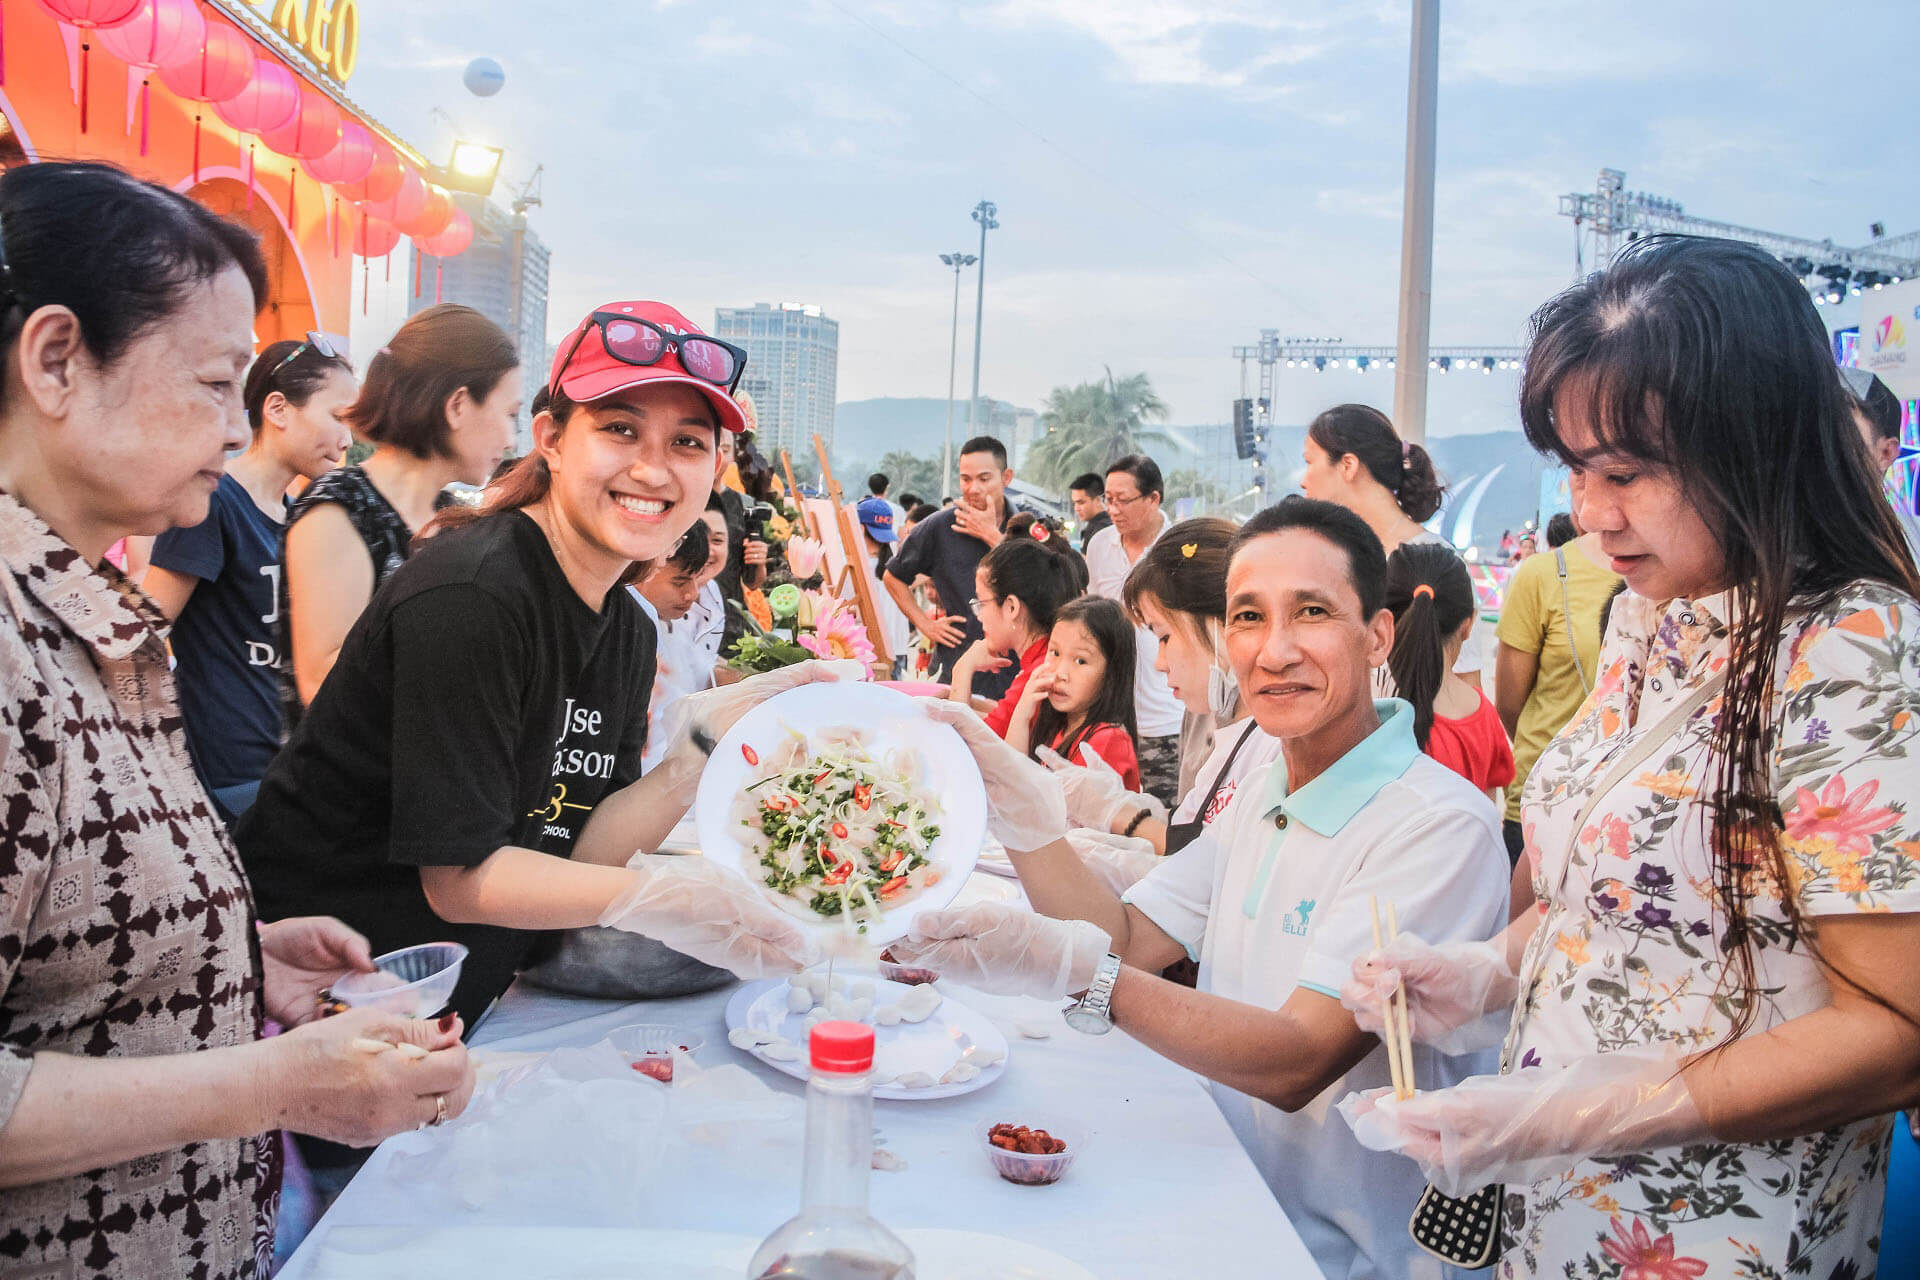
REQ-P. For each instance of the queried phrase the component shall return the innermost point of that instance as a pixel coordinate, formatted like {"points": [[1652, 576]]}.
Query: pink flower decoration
{"points": [[804, 556], [1642, 1257], [837, 633], [1840, 816]]}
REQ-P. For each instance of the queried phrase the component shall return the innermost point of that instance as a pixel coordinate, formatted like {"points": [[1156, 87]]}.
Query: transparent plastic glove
{"points": [[711, 913], [1006, 950], [1096, 797], [1026, 808], [702, 719], [1459, 994], [1119, 861], [1535, 1123]]}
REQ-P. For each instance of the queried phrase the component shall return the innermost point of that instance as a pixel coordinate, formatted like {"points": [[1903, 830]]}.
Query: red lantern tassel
{"points": [[416, 271], [388, 260], [366, 283], [333, 224], [249, 177], [146, 91], [196, 148], [438, 267], [293, 196], [84, 48], [3, 45]]}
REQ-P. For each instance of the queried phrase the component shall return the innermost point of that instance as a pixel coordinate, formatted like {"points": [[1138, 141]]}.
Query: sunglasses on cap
{"points": [[634, 341], [316, 342]]}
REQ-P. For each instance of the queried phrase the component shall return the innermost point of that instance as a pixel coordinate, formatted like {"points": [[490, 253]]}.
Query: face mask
{"points": [[1223, 691]]}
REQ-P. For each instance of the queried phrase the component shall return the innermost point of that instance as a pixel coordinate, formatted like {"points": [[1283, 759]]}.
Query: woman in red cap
{"points": [[470, 770]]}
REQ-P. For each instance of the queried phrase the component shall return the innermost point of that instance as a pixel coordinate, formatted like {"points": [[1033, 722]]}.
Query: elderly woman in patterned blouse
{"points": [[1717, 1006], [137, 1097]]}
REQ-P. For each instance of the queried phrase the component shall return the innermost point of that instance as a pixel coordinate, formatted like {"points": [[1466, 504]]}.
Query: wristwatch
{"points": [[1091, 1016]]}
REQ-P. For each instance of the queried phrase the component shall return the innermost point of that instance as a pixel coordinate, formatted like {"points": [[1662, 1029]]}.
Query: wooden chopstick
{"points": [[1400, 1013], [1390, 1033]]}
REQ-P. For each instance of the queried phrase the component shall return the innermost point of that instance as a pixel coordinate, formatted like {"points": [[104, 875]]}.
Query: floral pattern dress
{"points": [[1628, 953]]}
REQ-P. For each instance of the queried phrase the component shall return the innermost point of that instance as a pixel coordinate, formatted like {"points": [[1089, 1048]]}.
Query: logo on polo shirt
{"points": [[1295, 923]]}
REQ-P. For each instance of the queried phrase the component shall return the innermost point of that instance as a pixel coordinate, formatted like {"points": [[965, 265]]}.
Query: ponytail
{"points": [[1431, 597], [1401, 467]]}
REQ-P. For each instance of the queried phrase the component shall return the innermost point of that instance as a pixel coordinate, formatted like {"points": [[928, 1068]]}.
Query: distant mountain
{"points": [[866, 430]]}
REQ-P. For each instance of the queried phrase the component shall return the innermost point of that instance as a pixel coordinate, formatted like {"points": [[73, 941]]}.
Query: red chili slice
{"points": [[863, 796], [892, 886], [753, 757], [893, 859], [838, 875], [826, 856], [823, 777], [839, 831]]}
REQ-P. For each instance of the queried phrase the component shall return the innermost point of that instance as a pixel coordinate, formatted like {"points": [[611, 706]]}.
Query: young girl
{"points": [[1017, 593], [1433, 614], [1083, 693], [217, 580]]}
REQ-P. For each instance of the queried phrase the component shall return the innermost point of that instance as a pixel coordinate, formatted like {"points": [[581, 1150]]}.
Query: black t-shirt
{"points": [[733, 508], [1100, 521], [478, 702], [223, 641], [949, 557]]}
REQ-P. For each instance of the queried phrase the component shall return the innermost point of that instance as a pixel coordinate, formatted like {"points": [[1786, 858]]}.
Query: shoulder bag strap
{"points": [[1566, 619]]}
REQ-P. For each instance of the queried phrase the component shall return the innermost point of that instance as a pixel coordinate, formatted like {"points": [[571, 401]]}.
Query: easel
{"points": [[856, 552], [799, 502]]}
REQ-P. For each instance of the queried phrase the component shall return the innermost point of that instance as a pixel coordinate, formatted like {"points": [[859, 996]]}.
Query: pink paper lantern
{"points": [[85, 16], [406, 204], [374, 237], [266, 102], [313, 131], [163, 33], [382, 181], [351, 161], [219, 69], [433, 219], [450, 243]]}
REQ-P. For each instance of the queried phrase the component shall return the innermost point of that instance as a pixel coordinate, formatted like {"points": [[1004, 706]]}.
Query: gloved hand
{"points": [[702, 719], [1535, 1123], [1006, 950], [1096, 797], [1026, 809], [711, 913], [1119, 861], [1459, 994]]}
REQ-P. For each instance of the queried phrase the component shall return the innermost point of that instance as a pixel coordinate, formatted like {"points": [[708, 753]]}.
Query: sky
{"points": [[1171, 176]]}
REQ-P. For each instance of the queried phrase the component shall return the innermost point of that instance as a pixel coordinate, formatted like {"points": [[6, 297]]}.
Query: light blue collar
{"points": [[1331, 800]]}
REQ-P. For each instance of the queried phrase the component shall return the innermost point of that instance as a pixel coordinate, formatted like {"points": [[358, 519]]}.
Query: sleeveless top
{"points": [[382, 531]]}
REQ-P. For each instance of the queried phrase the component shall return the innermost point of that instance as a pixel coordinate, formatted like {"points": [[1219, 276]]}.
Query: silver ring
{"points": [[439, 1110]]}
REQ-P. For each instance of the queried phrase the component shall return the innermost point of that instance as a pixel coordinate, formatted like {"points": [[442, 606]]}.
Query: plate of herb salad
{"points": [[848, 805]]}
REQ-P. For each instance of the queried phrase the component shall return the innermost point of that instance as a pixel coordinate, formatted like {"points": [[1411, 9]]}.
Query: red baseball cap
{"points": [[584, 371]]}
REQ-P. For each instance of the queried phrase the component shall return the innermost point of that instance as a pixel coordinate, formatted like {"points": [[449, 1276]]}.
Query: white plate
{"points": [[981, 887], [932, 1046], [890, 720]]}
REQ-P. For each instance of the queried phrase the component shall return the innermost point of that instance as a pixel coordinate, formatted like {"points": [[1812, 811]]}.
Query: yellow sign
{"points": [[326, 31]]}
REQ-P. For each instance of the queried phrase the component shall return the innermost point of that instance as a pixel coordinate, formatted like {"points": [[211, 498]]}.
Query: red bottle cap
{"points": [[842, 1048]]}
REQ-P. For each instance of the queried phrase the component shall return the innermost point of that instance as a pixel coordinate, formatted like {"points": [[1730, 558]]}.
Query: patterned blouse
{"points": [[126, 924], [1627, 951]]}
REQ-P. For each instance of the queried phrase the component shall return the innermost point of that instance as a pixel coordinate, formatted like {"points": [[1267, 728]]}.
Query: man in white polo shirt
{"points": [[1273, 899], [1133, 494]]}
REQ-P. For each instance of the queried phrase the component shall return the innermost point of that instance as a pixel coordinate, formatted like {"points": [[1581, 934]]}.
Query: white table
{"points": [[1162, 1188]]}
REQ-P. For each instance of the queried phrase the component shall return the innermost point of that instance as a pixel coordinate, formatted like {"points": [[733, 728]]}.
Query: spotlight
{"points": [[1362, 364], [1353, 364], [1486, 365], [472, 168], [1446, 363], [1320, 364]]}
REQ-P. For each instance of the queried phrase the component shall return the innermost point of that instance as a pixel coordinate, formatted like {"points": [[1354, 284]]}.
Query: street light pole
{"points": [[983, 213], [1416, 230], [959, 262]]}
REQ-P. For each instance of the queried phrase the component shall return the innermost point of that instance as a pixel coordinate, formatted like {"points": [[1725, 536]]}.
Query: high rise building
{"points": [[793, 359], [506, 257]]}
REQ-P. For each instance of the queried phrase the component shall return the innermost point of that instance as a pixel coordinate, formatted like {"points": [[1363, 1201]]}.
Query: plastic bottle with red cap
{"points": [[834, 1236]]}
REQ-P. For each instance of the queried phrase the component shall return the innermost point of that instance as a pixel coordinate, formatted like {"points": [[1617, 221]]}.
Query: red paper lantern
{"points": [[89, 15], [351, 161], [218, 70], [450, 243], [267, 102], [433, 219], [163, 33], [374, 237], [313, 131], [405, 204], [383, 179]]}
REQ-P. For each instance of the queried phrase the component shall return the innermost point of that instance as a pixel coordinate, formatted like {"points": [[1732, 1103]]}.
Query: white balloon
{"points": [[484, 77]]}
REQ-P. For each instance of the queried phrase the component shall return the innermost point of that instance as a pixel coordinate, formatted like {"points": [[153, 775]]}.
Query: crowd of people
{"points": [[1647, 840]]}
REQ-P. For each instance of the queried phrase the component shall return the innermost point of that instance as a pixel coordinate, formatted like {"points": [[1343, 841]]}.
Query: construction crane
{"points": [[1610, 214], [525, 196]]}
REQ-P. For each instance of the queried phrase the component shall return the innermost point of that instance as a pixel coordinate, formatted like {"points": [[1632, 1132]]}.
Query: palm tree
{"points": [[1090, 425]]}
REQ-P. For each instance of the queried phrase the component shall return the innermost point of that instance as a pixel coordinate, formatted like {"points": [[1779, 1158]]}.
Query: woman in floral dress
{"points": [[1716, 1006]]}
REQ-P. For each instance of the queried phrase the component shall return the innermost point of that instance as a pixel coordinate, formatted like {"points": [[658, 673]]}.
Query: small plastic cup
{"points": [[1035, 1170], [649, 1047], [910, 974], [415, 982]]}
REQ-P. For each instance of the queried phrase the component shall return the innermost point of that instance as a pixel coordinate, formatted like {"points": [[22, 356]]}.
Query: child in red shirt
{"points": [[1017, 592], [1433, 609], [1082, 695]]}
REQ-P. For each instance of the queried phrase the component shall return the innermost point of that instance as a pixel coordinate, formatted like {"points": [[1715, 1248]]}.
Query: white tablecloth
{"points": [[1161, 1189]]}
